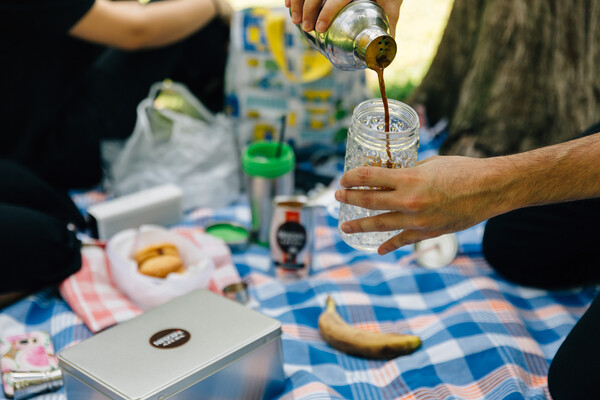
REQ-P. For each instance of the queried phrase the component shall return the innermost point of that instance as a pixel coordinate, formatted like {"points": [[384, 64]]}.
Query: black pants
{"points": [[38, 248], [556, 246], [37, 239], [574, 370], [103, 104], [552, 246]]}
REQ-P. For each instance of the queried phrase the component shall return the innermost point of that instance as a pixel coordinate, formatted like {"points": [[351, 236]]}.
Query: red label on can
{"points": [[292, 216]]}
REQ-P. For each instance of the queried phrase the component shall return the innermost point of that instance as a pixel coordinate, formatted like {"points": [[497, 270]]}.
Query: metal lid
{"points": [[237, 291], [291, 200], [437, 252]]}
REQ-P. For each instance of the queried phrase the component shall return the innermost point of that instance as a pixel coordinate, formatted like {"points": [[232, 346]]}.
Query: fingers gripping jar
{"points": [[369, 145]]}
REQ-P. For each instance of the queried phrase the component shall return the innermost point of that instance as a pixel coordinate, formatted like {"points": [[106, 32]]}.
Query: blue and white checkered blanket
{"points": [[483, 337]]}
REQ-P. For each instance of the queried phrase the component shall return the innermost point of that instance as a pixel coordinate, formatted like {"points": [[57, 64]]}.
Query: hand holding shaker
{"points": [[369, 145], [269, 168], [358, 37]]}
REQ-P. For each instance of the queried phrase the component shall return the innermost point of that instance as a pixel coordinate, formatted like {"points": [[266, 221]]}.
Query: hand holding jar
{"points": [[441, 194], [369, 145]]}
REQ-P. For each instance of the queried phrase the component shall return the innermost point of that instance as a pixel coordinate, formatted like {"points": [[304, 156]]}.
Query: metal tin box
{"points": [[198, 346]]}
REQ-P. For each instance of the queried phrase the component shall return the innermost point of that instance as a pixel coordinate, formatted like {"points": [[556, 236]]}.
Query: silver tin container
{"points": [[358, 37], [198, 346]]}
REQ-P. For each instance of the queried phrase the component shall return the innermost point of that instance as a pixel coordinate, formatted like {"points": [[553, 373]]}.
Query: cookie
{"points": [[155, 250], [161, 266]]}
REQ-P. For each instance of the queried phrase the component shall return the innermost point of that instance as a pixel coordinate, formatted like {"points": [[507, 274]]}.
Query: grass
{"points": [[418, 35]]}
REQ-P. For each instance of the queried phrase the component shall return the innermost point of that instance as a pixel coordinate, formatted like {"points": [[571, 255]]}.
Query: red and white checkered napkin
{"points": [[94, 297]]}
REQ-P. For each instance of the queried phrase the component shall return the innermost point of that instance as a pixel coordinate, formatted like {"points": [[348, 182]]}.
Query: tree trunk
{"points": [[512, 75]]}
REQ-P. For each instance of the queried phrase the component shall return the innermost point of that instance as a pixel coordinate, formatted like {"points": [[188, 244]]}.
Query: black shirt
{"points": [[39, 66]]}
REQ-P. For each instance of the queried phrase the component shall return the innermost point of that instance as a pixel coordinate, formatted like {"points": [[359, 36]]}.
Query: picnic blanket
{"points": [[483, 337]]}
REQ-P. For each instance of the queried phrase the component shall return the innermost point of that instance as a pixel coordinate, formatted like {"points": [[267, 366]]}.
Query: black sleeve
{"points": [[43, 16], [20, 187]]}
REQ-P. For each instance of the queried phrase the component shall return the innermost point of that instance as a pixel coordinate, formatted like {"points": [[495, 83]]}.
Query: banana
{"points": [[358, 342]]}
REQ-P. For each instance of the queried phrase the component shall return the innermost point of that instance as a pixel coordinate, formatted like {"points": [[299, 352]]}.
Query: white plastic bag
{"points": [[145, 291], [198, 154]]}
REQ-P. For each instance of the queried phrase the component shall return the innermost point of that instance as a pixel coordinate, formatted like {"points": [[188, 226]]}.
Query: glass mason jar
{"points": [[369, 145]]}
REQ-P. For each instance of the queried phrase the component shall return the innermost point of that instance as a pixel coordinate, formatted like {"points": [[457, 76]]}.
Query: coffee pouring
{"points": [[358, 37]]}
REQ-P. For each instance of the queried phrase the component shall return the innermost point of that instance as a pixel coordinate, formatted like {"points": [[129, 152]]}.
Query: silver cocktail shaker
{"points": [[358, 37]]}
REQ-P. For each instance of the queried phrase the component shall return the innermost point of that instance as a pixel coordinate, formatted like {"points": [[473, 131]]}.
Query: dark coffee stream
{"points": [[386, 110]]}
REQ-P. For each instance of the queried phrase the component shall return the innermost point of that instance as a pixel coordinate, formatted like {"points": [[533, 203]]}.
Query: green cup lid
{"points": [[235, 235], [260, 159], [229, 232]]}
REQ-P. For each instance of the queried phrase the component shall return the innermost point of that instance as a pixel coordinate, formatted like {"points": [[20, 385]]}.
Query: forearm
{"points": [[132, 26], [559, 173], [166, 22], [443, 194]]}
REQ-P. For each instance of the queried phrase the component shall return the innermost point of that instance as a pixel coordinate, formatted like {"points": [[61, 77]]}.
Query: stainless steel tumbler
{"points": [[269, 170]]}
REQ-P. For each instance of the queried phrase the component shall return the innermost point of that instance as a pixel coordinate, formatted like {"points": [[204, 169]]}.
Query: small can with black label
{"points": [[290, 239]]}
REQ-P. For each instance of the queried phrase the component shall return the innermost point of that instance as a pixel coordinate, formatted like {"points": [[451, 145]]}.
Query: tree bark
{"points": [[513, 75]]}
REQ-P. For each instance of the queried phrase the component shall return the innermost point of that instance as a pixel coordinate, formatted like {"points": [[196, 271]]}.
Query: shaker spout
{"points": [[375, 47]]}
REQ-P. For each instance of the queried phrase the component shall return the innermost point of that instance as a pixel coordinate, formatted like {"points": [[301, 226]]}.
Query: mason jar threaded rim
{"points": [[398, 111]]}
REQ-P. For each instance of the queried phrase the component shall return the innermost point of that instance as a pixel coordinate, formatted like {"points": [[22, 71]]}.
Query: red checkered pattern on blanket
{"points": [[93, 296]]}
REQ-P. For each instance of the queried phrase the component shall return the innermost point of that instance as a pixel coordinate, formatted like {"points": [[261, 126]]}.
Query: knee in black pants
{"points": [[550, 246], [573, 373], [37, 250]]}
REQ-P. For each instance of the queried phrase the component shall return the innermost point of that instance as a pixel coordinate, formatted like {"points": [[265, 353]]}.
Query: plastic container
{"points": [[437, 252], [148, 292], [369, 145]]}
